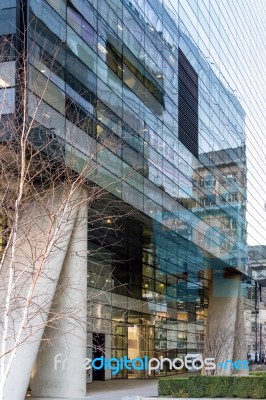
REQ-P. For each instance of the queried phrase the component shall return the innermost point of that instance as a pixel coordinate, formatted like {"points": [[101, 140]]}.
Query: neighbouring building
{"points": [[170, 272], [256, 268]]}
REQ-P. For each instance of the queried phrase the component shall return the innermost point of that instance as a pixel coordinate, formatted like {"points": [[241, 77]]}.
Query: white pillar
{"points": [[32, 269], [65, 340], [225, 331]]}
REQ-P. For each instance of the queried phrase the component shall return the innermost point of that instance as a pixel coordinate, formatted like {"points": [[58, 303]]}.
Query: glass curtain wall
{"points": [[132, 72]]}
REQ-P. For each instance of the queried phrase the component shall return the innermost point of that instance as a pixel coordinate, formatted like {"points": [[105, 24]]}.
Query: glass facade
{"points": [[180, 131], [141, 75]]}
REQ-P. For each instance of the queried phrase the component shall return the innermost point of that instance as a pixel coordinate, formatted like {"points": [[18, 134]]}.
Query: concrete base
{"points": [[51, 244], [58, 370]]}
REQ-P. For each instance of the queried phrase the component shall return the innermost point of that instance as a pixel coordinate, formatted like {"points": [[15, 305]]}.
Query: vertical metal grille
{"points": [[188, 104]]}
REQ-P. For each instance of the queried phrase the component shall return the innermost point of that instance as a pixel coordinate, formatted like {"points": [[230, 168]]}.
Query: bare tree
{"points": [[54, 171]]}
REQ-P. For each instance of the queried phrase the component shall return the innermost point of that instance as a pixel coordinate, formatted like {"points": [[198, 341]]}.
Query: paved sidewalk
{"points": [[133, 389], [124, 389]]}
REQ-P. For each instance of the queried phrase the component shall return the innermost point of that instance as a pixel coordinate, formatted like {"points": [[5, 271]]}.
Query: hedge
{"points": [[253, 386], [170, 387], [258, 373]]}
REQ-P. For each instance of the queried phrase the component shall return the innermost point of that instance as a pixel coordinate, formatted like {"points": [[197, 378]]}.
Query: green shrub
{"points": [[258, 373], [227, 386], [253, 386], [175, 387]]}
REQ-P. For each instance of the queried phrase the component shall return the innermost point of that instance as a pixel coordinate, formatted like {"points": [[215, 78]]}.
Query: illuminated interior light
{"points": [[119, 27], [130, 82], [102, 48], [3, 83]]}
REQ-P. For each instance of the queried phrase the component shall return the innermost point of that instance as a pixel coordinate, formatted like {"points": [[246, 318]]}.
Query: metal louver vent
{"points": [[187, 104]]}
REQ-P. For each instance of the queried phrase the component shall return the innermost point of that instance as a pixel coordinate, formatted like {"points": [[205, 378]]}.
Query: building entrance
{"points": [[98, 350], [140, 338]]}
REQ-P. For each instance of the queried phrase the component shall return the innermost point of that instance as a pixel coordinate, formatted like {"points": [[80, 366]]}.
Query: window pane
{"points": [[46, 14], [59, 6], [83, 51], [7, 101], [7, 74], [7, 21], [47, 90]]}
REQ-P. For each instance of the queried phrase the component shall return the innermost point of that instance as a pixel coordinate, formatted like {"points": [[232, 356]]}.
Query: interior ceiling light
{"points": [[3, 83], [102, 48]]}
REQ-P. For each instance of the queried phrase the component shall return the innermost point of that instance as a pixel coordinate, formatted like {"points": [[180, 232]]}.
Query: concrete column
{"points": [[225, 331], [89, 353], [44, 228], [108, 354], [59, 371]]}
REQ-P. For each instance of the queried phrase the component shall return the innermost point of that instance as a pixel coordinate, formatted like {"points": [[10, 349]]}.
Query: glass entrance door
{"points": [[138, 347]]}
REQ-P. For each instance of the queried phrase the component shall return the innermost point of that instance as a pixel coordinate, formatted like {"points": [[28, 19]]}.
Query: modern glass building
{"points": [[131, 77]]}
